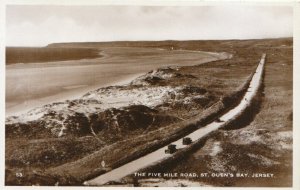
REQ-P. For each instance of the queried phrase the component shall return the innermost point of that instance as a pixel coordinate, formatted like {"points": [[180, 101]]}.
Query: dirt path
{"points": [[159, 155]]}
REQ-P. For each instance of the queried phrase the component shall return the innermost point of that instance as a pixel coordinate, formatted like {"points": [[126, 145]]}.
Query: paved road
{"points": [[159, 155]]}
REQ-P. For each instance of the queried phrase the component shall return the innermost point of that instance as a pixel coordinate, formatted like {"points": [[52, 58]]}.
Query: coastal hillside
{"points": [[64, 142]]}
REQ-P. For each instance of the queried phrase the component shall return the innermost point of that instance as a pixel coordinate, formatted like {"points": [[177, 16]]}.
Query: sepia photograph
{"points": [[154, 95]]}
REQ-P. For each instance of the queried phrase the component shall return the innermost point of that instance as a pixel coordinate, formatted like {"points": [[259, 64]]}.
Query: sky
{"points": [[39, 25]]}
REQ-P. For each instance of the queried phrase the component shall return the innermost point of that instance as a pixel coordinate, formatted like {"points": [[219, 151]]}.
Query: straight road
{"points": [[159, 155]]}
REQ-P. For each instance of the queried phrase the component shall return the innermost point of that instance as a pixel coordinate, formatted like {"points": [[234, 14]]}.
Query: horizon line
{"points": [[167, 40]]}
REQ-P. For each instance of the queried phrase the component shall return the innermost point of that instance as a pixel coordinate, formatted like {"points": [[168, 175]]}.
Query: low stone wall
{"points": [[185, 127], [182, 153]]}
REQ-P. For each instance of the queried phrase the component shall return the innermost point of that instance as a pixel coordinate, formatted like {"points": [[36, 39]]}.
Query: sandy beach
{"points": [[35, 84]]}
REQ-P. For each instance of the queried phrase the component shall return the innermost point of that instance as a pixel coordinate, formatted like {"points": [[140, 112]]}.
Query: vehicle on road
{"points": [[186, 141], [171, 149]]}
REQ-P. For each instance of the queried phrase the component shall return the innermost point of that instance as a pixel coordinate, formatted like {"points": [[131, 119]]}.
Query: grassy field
{"points": [[262, 144], [115, 147], [72, 160], [45, 54]]}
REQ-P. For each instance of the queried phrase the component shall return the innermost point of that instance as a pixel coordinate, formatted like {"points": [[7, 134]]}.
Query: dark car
{"points": [[186, 141], [171, 149]]}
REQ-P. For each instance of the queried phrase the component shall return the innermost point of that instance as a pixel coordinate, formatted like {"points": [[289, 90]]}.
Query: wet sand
{"points": [[35, 84]]}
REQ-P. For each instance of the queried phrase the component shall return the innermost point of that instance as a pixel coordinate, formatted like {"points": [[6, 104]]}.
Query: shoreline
{"points": [[69, 92], [72, 94], [253, 137]]}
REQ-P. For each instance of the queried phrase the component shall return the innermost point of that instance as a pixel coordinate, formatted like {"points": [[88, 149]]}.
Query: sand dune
{"points": [[34, 84]]}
